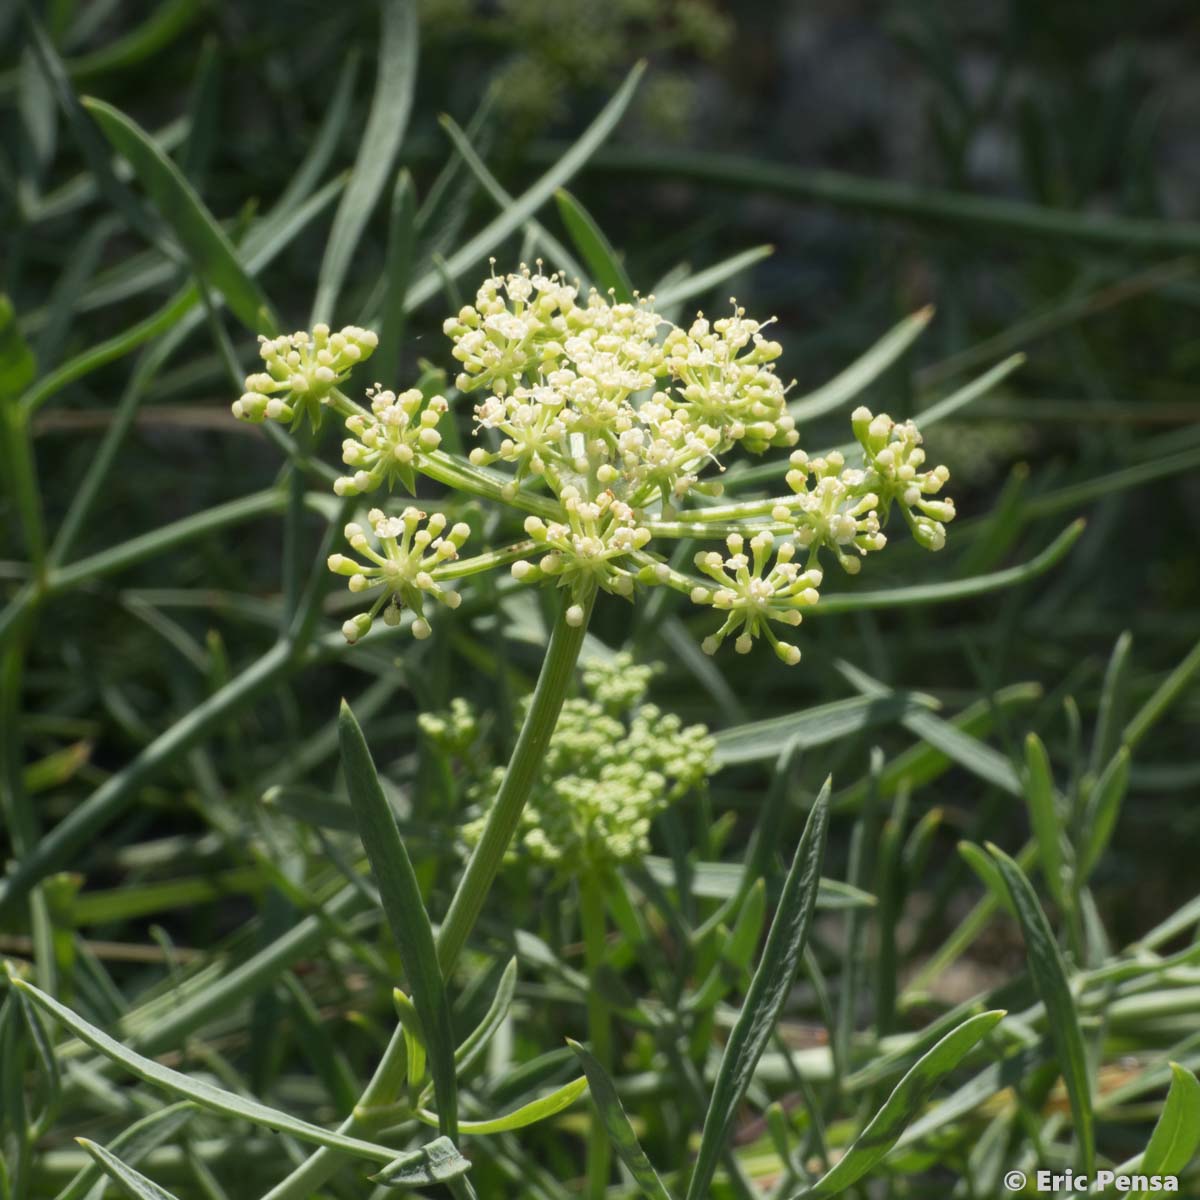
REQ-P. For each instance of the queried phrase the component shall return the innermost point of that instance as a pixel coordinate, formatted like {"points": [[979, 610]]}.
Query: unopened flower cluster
{"points": [[613, 764], [606, 427]]}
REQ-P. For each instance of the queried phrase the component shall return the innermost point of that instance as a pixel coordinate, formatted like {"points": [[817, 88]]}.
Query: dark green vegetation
{"points": [[205, 954]]}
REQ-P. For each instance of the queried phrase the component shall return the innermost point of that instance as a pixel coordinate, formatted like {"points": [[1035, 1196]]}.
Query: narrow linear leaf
{"points": [[620, 1130], [606, 268], [1050, 978], [133, 1144], [205, 1094], [768, 990], [476, 1042], [1104, 808], [814, 726], [955, 589], [1112, 704], [211, 253], [1176, 1136], [437, 1162], [1043, 816], [17, 365], [865, 369], [676, 290], [905, 1103], [133, 1183], [529, 201], [395, 78], [1164, 696], [402, 904], [989, 875], [527, 1114]]}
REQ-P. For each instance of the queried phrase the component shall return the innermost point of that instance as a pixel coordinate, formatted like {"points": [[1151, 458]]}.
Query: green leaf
{"points": [[1043, 817], [814, 726], [905, 1103], [620, 1130], [865, 369], [527, 1114], [724, 881], [526, 204], [395, 77], [677, 291], [1176, 1136], [1050, 978], [212, 255], [133, 1144], [205, 1094], [134, 1184], [1104, 808], [17, 367], [1164, 696], [401, 896], [955, 589], [764, 1000], [477, 1040], [605, 267], [977, 757], [989, 874], [1112, 704], [437, 1162]]}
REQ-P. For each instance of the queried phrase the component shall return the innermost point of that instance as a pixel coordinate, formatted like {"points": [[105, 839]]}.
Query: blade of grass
{"points": [[212, 256], [525, 205], [395, 79], [865, 369], [1050, 978], [764, 1000], [620, 1130], [205, 1094], [607, 270], [1044, 817], [677, 291], [133, 1183], [906, 1101], [405, 910]]}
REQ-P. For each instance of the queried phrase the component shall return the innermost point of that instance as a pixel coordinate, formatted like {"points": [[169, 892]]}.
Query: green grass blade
{"points": [[208, 248], [865, 369], [528, 1114], [525, 205], [968, 393], [1176, 1136], [620, 1130], [978, 757], [607, 270], [678, 291], [133, 1183], [134, 1144], [400, 894], [398, 263], [1164, 696], [815, 726], [957, 589], [395, 79], [1104, 808], [1050, 978], [203, 1093], [1044, 818], [1112, 704], [476, 1042], [765, 998], [905, 1103], [437, 1162]]}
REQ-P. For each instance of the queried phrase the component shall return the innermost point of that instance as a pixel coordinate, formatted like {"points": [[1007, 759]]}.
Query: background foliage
{"points": [[1027, 169]]}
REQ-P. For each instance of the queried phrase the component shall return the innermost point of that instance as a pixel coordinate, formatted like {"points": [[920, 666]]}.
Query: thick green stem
{"points": [[566, 641], [383, 1089], [592, 921]]}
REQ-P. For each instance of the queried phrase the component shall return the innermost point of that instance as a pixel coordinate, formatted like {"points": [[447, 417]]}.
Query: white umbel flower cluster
{"points": [[303, 371], [613, 764], [411, 548], [605, 426]]}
